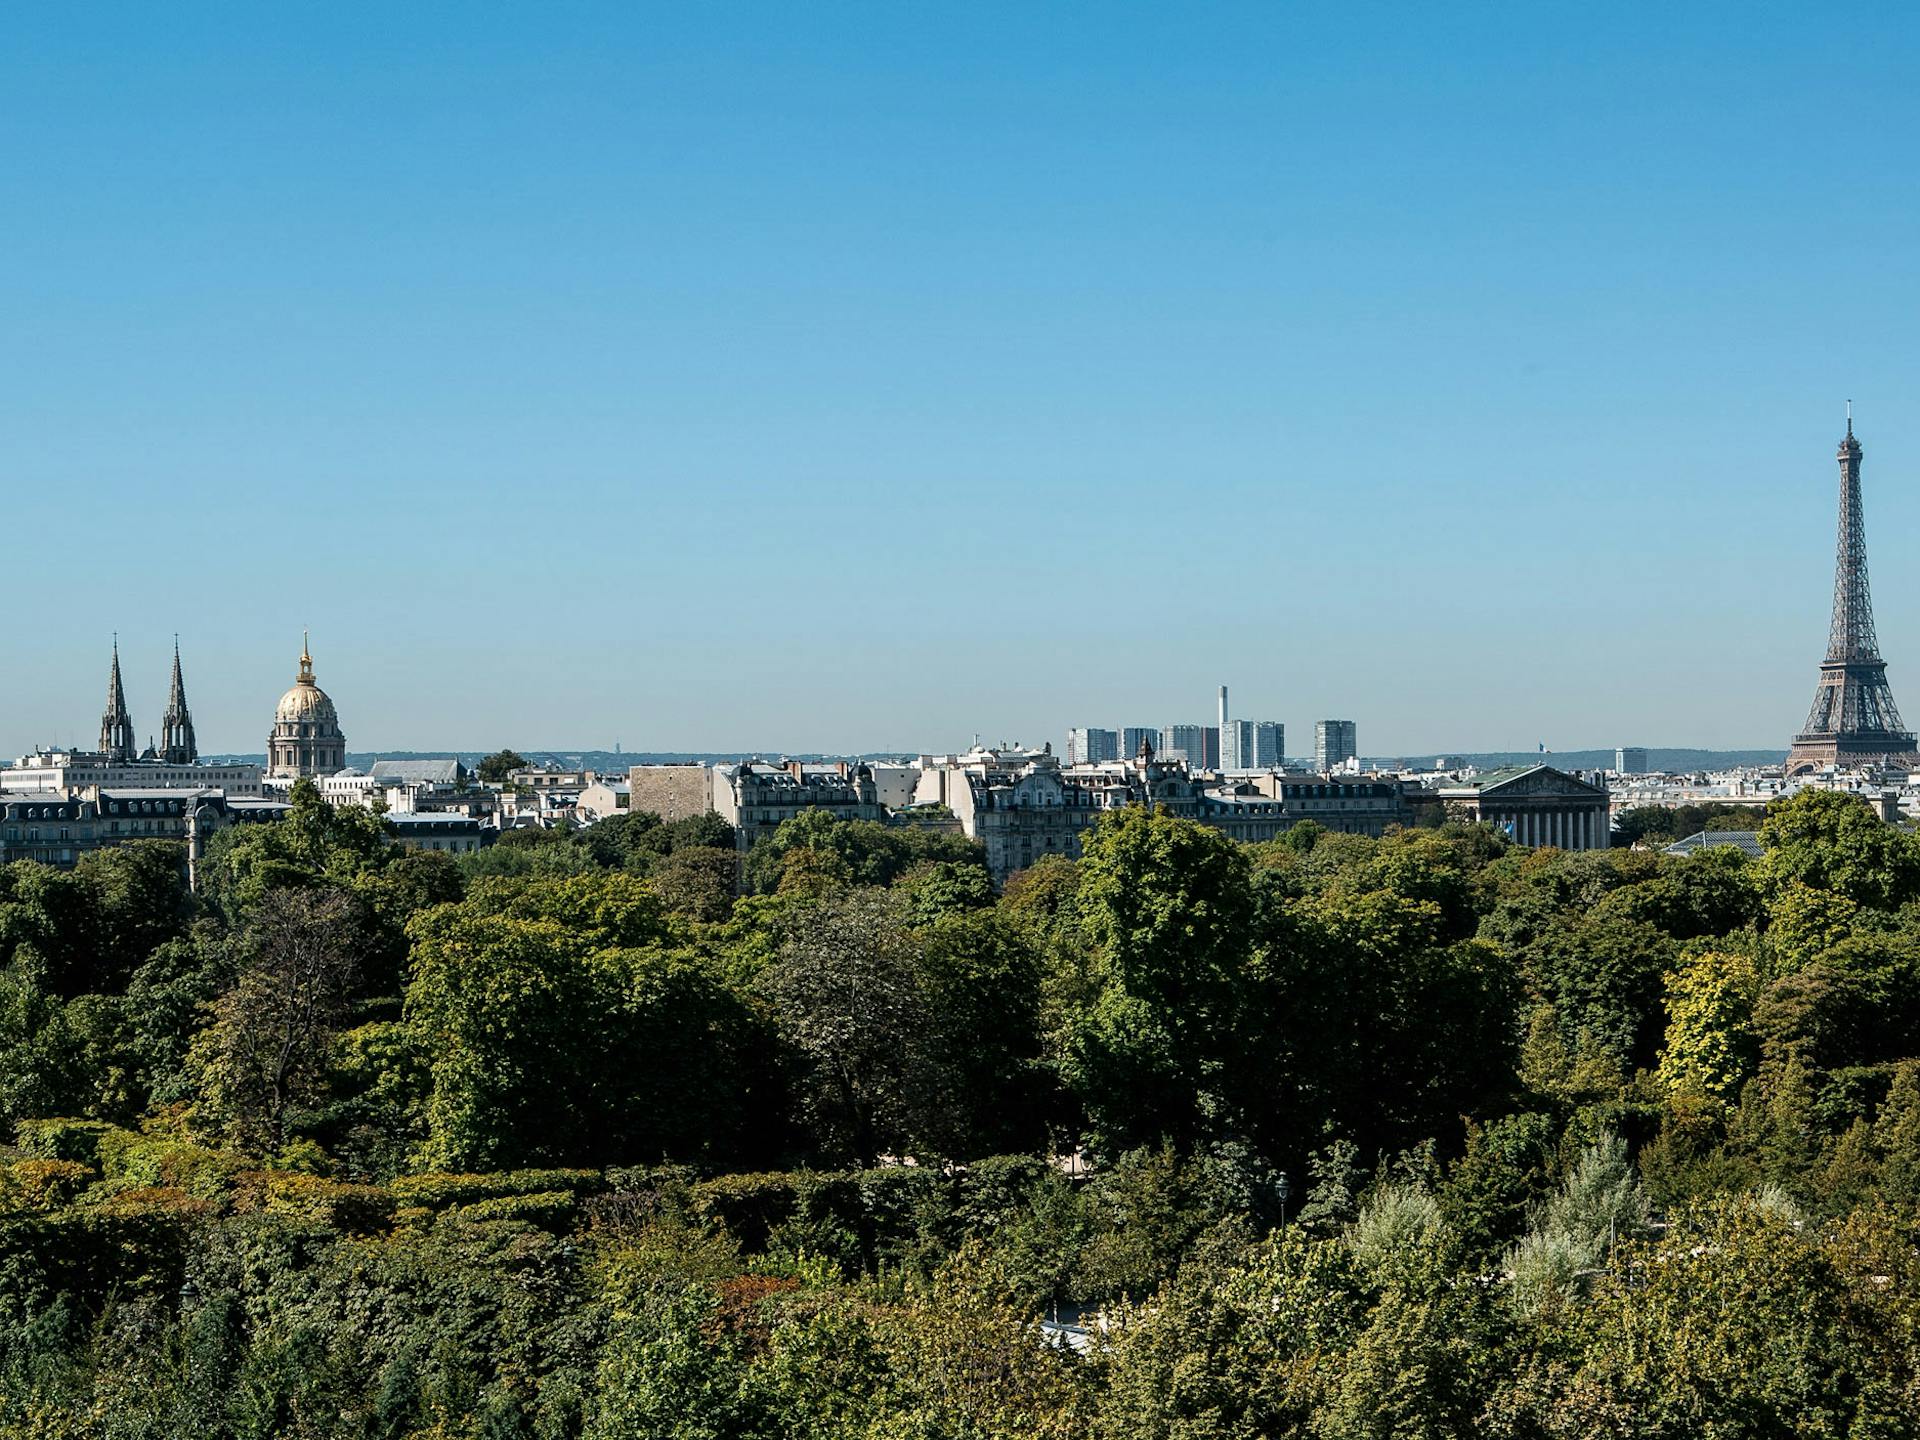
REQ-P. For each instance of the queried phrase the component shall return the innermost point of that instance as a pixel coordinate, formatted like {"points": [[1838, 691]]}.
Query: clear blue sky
{"points": [[862, 376]]}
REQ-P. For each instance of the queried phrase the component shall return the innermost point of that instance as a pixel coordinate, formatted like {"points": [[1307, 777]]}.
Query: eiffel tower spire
{"points": [[116, 726], [176, 726], [1853, 720]]}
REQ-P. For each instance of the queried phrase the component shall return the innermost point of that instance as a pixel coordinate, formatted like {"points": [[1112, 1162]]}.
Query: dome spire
{"points": [[306, 661]]}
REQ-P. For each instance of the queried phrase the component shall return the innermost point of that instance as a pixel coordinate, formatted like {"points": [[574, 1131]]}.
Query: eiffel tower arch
{"points": [[1853, 720]]}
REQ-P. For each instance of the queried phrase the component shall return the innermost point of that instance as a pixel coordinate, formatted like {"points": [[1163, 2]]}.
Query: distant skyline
{"points": [[865, 377]]}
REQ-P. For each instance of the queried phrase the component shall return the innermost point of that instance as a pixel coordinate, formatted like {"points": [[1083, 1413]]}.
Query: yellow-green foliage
{"points": [[62, 1139], [42, 1185], [162, 1160], [356, 1208], [438, 1191], [1711, 1048], [549, 1209]]}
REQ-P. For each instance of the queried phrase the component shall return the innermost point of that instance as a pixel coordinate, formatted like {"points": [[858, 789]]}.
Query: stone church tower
{"points": [[177, 746], [116, 726], [306, 738]]}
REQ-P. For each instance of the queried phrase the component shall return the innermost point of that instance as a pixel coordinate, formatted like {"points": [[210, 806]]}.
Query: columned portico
{"points": [[1543, 806]]}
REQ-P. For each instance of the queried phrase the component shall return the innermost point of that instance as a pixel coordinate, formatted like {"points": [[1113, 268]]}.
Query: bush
{"points": [[548, 1209], [63, 1139], [43, 1185], [439, 1191], [168, 1163], [356, 1209], [749, 1206]]}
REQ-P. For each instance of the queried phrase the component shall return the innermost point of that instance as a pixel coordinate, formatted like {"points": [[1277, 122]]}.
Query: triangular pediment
{"points": [[1542, 780]]}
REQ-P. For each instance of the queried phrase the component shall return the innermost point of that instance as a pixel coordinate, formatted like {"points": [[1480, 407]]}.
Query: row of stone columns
{"points": [[1584, 829]]}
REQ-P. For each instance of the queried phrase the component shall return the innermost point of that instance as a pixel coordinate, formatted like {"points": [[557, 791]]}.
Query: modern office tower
{"points": [[1236, 745], [1334, 743], [1184, 742], [1210, 746], [1630, 760], [1269, 745], [1252, 745], [1090, 746], [1132, 735]]}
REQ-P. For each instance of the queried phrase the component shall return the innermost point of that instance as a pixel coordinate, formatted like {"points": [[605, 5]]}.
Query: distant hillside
{"points": [[1658, 758]]}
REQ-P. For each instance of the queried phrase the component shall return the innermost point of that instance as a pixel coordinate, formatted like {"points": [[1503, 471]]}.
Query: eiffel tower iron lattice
{"points": [[1853, 720]]}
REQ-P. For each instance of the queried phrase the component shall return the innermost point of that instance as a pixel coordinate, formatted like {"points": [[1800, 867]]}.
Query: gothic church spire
{"points": [[177, 745], [116, 726]]}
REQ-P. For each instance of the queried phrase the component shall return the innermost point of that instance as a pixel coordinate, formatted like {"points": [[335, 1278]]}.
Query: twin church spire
{"points": [[117, 741]]}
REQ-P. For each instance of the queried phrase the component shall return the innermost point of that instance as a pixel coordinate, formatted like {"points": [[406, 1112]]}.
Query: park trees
{"points": [[1164, 906], [562, 1024], [266, 1051]]}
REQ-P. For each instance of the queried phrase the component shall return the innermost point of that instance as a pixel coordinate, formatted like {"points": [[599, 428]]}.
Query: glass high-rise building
{"points": [[1252, 745], [1334, 743], [1184, 742], [1092, 746]]}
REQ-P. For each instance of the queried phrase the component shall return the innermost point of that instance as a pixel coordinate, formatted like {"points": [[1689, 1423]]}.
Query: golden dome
{"points": [[306, 703]]}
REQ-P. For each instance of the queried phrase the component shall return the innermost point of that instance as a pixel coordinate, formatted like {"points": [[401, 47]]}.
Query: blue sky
{"points": [[855, 376]]}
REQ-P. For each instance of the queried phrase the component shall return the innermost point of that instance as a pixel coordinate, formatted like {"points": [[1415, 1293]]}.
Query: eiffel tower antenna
{"points": [[1854, 720]]}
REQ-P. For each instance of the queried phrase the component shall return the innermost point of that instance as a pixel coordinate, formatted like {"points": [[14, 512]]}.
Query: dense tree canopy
{"points": [[1334, 1136]]}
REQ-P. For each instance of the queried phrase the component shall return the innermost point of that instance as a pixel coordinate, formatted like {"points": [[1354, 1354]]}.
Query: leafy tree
{"points": [[864, 852], [936, 888], [1739, 1322], [1165, 906], [849, 1000], [1367, 1020], [88, 928], [697, 881], [495, 768], [621, 842], [1712, 1046], [1604, 978], [1501, 1177], [981, 977], [317, 843], [1897, 1137], [266, 1052], [1663, 824], [693, 832], [1832, 840], [1576, 1231], [561, 1025]]}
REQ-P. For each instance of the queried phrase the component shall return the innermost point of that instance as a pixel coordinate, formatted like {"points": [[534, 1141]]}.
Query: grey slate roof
{"points": [[423, 772], [1746, 841]]}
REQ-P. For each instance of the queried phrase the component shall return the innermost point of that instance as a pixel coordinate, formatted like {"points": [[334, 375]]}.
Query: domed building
{"points": [[306, 738]]}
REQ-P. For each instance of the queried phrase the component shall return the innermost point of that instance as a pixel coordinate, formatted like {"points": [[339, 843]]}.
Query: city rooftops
{"points": [[448, 771], [434, 823], [1745, 841]]}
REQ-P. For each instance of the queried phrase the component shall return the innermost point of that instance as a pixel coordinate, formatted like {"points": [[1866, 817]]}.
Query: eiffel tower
{"points": [[1853, 720]]}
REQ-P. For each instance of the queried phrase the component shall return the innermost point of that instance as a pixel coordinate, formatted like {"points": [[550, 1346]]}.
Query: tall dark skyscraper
{"points": [[1853, 720]]}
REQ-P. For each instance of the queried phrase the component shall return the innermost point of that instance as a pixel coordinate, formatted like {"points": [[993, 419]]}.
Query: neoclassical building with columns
{"points": [[1536, 805]]}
